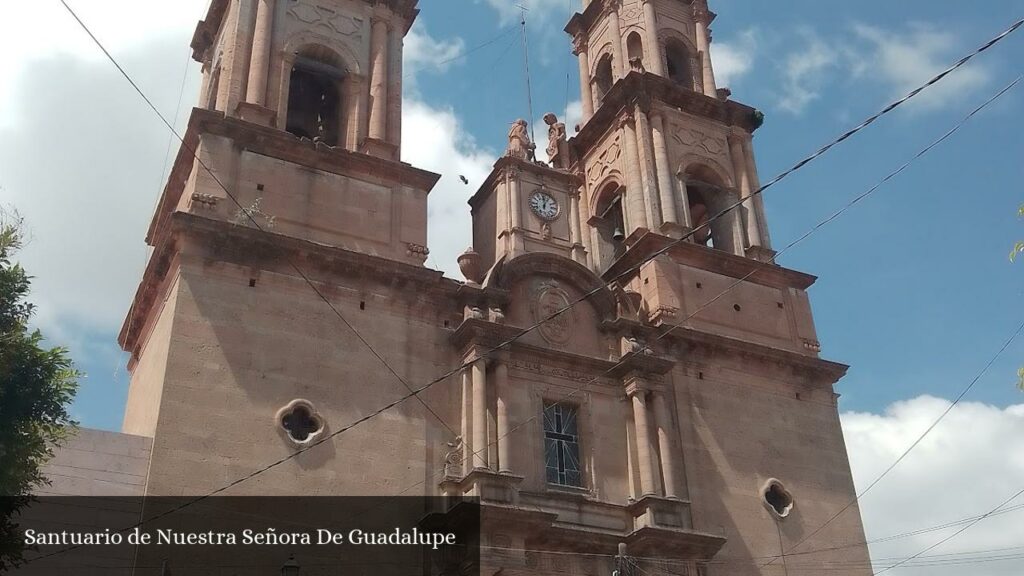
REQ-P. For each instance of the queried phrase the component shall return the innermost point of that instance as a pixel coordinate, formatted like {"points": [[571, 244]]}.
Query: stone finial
{"points": [[519, 144], [469, 264], [558, 144]]}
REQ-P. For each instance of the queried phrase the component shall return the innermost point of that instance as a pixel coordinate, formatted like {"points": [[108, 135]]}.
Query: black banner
{"points": [[250, 536]]}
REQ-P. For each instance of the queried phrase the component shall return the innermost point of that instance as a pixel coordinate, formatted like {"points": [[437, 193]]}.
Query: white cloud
{"points": [[905, 59], [733, 59], [435, 140], [537, 10], [424, 53], [969, 464], [122, 25], [804, 71]]}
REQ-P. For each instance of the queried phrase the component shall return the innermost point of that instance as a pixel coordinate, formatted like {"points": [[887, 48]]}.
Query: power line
{"points": [[973, 382], [955, 534], [416, 392], [507, 32], [849, 205], [637, 267], [247, 213]]}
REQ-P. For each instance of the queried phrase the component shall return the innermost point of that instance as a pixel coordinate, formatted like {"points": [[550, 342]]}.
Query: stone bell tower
{"points": [[330, 71], [288, 192], [661, 146]]}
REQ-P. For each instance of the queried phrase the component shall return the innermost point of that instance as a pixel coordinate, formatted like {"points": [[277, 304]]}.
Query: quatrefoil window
{"points": [[777, 499], [300, 421]]}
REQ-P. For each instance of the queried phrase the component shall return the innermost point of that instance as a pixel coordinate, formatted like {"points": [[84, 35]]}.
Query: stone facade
{"points": [[699, 428]]}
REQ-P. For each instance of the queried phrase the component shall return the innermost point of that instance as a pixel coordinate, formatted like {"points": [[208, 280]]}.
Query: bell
{"points": [[618, 235]]}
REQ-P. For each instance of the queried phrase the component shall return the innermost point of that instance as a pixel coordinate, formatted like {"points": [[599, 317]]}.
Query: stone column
{"points": [[648, 174], [655, 63], [586, 89], [259, 68], [755, 184], [514, 208], [467, 420], [576, 229], [637, 212], [666, 446], [379, 75], [480, 444], [685, 201], [395, 49], [503, 393], [670, 220], [618, 65], [241, 21], [748, 211], [643, 442], [703, 18]]}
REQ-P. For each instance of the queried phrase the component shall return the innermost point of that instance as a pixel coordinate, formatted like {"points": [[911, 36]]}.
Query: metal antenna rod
{"points": [[526, 60]]}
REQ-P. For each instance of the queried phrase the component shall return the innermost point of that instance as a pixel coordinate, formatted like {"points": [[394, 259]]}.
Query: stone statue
{"points": [[453, 459], [519, 144], [558, 144]]}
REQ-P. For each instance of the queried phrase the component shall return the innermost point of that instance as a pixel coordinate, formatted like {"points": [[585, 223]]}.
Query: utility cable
{"points": [[247, 213], [416, 392]]}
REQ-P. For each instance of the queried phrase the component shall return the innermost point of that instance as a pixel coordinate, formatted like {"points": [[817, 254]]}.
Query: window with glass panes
{"points": [[562, 444]]}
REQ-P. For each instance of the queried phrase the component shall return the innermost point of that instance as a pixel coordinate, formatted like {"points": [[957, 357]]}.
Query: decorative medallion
{"points": [[552, 310], [544, 206]]}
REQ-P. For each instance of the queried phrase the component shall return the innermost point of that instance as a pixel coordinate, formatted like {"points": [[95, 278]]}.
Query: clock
{"points": [[544, 206]]}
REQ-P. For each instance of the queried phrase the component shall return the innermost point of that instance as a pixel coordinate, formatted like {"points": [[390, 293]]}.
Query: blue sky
{"points": [[916, 291]]}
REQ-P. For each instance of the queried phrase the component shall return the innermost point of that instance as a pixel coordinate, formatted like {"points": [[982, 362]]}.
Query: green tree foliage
{"points": [[1019, 246], [36, 386]]}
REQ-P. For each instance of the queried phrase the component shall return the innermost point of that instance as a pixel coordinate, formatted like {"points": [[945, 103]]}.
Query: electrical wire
{"points": [[955, 534], [415, 392], [251, 218], [849, 205]]}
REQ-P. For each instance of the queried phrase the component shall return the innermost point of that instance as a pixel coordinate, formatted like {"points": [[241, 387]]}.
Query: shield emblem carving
{"points": [[550, 299]]}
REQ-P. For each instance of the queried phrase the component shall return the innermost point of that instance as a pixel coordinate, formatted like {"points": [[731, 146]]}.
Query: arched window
{"points": [[610, 223], [212, 88], [603, 78], [708, 196], [314, 96], [677, 63], [635, 51], [699, 213]]}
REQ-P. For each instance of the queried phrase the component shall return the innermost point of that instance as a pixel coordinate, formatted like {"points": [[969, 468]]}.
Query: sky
{"points": [[915, 288]]}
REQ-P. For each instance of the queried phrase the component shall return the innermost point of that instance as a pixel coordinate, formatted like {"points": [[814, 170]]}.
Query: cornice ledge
{"points": [[826, 372]]}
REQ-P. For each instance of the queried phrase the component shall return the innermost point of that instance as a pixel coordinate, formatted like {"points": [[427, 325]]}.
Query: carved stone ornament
{"points": [[697, 139], [469, 265], [550, 299], [329, 18], [607, 161], [519, 144], [558, 146], [454, 458]]}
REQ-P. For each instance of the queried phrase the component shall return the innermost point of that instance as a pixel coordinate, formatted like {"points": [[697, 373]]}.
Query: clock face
{"points": [[544, 206]]}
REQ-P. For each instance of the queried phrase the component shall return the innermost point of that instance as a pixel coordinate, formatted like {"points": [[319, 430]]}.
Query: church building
{"points": [[628, 363]]}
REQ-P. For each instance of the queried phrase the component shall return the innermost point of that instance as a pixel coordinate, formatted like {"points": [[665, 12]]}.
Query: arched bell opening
{"points": [[708, 195], [315, 89], [602, 79], [677, 63], [610, 222], [635, 51]]}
